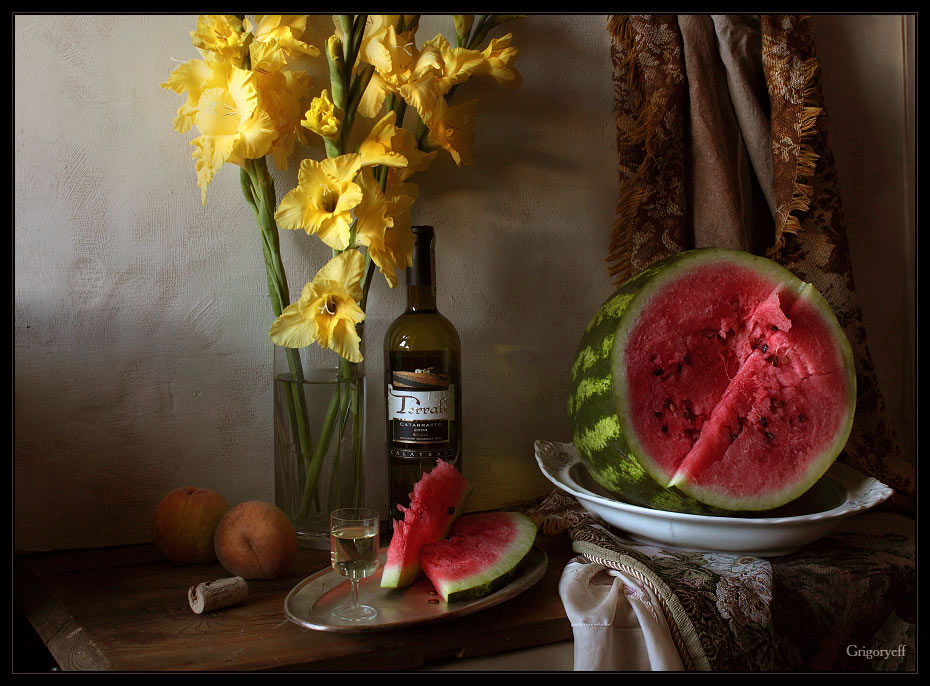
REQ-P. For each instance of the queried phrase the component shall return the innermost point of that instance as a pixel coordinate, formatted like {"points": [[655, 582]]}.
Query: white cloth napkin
{"points": [[616, 621]]}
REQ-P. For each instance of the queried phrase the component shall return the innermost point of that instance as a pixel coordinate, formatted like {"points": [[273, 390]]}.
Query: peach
{"points": [[185, 522], [256, 540]]}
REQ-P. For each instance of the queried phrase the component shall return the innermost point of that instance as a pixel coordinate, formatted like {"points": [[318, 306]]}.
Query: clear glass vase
{"points": [[319, 439]]}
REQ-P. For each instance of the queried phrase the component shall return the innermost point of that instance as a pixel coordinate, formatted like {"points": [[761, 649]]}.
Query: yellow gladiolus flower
{"points": [[225, 104], [498, 57], [384, 224], [266, 56], [458, 64], [452, 127], [323, 117], [399, 64], [323, 199], [286, 30], [282, 94], [394, 147], [416, 162], [423, 94], [327, 311], [387, 144], [223, 34], [375, 40], [194, 77], [232, 126], [463, 24]]}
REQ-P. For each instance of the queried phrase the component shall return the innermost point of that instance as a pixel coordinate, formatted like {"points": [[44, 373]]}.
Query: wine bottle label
{"points": [[421, 409]]}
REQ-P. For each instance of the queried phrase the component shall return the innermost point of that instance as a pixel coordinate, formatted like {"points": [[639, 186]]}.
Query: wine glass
{"points": [[354, 554]]}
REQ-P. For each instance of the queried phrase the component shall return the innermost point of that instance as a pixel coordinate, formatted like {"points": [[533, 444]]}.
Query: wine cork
{"points": [[214, 595]]}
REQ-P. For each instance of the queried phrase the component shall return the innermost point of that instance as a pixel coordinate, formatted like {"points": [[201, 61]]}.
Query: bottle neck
{"points": [[421, 287], [421, 298]]}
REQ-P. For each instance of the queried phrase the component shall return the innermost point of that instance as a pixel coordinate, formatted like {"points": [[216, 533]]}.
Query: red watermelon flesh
{"points": [[480, 556], [735, 386], [438, 499]]}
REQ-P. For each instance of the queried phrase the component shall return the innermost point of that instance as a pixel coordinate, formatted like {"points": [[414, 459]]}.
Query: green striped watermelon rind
{"points": [[610, 447], [592, 410], [492, 577]]}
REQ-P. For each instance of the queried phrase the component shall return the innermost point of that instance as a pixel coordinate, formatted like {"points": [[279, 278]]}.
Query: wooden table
{"points": [[126, 608]]}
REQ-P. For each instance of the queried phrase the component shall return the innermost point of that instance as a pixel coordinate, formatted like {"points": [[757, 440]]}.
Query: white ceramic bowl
{"points": [[840, 493]]}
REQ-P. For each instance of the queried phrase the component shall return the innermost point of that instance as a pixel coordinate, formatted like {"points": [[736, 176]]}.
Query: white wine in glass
{"points": [[354, 554]]}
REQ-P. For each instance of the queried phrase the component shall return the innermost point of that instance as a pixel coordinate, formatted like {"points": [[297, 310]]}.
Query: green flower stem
{"points": [[488, 22], [347, 92], [258, 189], [316, 461], [420, 133], [381, 175], [366, 280], [356, 90], [332, 147], [461, 39], [336, 62], [357, 425], [346, 25], [276, 305], [358, 32]]}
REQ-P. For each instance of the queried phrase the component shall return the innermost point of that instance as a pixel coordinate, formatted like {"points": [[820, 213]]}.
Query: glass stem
{"points": [[354, 594]]}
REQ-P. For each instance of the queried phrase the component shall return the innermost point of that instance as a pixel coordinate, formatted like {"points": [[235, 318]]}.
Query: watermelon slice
{"points": [[482, 554], [438, 499], [714, 381]]}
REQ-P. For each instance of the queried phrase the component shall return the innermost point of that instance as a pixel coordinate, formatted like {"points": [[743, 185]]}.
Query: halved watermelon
{"points": [[714, 381], [481, 555], [438, 499]]}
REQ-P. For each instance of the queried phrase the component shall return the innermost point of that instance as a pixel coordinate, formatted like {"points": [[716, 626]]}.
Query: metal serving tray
{"points": [[310, 603]]}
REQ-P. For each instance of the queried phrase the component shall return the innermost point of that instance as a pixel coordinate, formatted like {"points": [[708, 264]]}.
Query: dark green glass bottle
{"points": [[422, 381]]}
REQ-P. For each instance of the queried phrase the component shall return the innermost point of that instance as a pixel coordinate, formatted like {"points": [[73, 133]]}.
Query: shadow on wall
{"points": [[864, 98], [101, 436]]}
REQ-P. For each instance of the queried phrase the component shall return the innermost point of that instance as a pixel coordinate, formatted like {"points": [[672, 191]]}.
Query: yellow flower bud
{"points": [[334, 49], [463, 24], [323, 117]]}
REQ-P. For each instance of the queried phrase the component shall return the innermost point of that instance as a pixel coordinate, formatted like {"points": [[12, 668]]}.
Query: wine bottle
{"points": [[422, 379]]}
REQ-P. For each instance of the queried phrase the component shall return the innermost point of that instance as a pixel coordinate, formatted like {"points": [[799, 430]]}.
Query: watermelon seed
{"points": [[732, 437], [452, 510], [763, 421], [433, 601], [689, 415], [665, 428], [765, 347], [657, 372], [687, 360], [431, 592], [769, 435], [801, 417], [774, 361], [774, 328]]}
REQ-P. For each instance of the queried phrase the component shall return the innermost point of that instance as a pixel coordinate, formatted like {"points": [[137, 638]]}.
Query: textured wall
{"points": [[141, 318], [141, 354], [863, 59]]}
